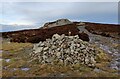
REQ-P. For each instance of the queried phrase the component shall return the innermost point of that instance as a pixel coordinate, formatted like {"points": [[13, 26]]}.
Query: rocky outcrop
{"points": [[59, 22], [64, 50]]}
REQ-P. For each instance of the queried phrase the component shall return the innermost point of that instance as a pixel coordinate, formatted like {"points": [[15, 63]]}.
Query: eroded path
{"points": [[108, 44]]}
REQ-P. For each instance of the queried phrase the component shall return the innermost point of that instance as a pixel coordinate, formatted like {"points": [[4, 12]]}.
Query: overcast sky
{"points": [[37, 13]]}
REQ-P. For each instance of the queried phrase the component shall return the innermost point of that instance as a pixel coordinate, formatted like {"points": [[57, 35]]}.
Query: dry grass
{"points": [[14, 46], [20, 59]]}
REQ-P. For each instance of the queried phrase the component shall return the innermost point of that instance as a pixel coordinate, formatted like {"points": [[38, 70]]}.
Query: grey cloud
{"points": [[41, 12]]}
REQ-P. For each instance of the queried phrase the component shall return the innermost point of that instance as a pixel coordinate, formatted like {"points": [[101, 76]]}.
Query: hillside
{"points": [[36, 35], [45, 32], [109, 30]]}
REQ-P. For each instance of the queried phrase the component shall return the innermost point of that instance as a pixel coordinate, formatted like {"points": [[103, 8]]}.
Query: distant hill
{"points": [[6, 28]]}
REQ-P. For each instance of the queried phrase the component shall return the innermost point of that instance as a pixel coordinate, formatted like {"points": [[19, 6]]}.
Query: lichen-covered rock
{"points": [[57, 23], [67, 50]]}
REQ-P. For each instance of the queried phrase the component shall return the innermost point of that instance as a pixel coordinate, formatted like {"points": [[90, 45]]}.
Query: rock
{"points": [[35, 47], [91, 65], [53, 47], [49, 60], [97, 70], [76, 61], [45, 53], [56, 36], [65, 50], [92, 60], [44, 57], [82, 46], [58, 54], [71, 37], [78, 45], [118, 60], [76, 37], [86, 60], [41, 44], [72, 51], [46, 48], [76, 52], [37, 50], [69, 59], [59, 22], [58, 49]]}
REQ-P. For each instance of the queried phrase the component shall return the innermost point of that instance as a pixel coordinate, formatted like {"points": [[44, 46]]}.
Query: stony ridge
{"points": [[58, 22], [65, 50]]}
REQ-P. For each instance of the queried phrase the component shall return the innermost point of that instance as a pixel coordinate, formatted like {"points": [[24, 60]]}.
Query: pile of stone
{"points": [[64, 50]]}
